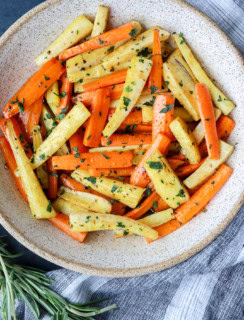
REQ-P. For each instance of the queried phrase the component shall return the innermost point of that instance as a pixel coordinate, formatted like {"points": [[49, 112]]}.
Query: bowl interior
{"points": [[101, 254]]}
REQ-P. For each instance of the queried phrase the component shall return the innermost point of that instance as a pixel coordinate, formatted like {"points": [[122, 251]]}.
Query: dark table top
{"points": [[10, 11]]}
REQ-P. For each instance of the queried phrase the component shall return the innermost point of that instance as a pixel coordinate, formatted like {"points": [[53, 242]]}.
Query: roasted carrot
{"points": [[52, 180], [186, 170], [155, 77], [25, 144], [87, 97], [11, 164], [134, 117], [179, 157], [135, 128], [111, 79], [161, 205], [166, 229], [203, 195], [126, 140], [96, 122], [163, 115], [30, 117], [224, 127], [61, 221], [146, 205], [97, 160], [116, 172], [65, 96], [117, 207], [175, 163], [34, 88], [139, 176], [107, 38], [206, 111], [76, 142]]}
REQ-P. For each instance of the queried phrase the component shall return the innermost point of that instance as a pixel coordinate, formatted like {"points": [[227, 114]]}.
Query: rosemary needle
{"points": [[33, 287]]}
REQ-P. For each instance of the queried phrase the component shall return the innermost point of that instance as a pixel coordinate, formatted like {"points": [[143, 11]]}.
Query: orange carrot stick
{"points": [[175, 163], [139, 176], [61, 221], [97, 120], [135, 128], [166, 229], [161, 205], [107, 38], [224, 127], [206, 111], [179, 157], [186, 170], [203, 195], [34, 88], [116, 172], [134, 117], [146, 205], [111, 79], [11, 163], [93, 160], [30, 117], [117, 207], [25, 144], [197, 202], [52, 180], [163, 115], [126, 140], [65, 94], [76, 142], [87, 97], [155, 77]]}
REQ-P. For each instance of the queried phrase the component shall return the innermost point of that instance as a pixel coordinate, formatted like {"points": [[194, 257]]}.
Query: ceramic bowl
{"points": [[101, 254]]}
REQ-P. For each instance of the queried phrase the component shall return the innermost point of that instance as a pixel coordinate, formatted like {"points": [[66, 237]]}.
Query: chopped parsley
{"points": [[46, 78], [110, 49], [181, 83], [219, 99], [93, 180], [42, 156], [150, 103], [104, 155], [120, 225], [77, 155], [114, 188], [126, 102], [61, 95], [100, 41], [167, 108], [133, 32], [144, 52], [53, 174], [155, 164], [109, 142], [153, 89], [181, 193], [49, 206], [155, 205], [128, 89]]}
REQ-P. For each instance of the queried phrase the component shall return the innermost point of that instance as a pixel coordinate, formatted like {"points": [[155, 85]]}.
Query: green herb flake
{"points": [[114, 188], [181, 193], [42, 156], [155, 165], [133, 32], [120, 225], [153, 89], [93, 180], [128, 89], [49, 206], [53, 174], [104, 155], [167, 108], [109, 142], [155, 205]]}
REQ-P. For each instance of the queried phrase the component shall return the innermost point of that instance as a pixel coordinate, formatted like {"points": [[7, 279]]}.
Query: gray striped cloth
{"points": [[209, 285]]}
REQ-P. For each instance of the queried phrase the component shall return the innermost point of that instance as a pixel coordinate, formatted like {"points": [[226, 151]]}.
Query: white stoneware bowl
{"points": [[101, 254]]}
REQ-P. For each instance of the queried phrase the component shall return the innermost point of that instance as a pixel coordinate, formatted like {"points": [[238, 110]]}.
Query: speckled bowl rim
{"points": [[118, 272]]}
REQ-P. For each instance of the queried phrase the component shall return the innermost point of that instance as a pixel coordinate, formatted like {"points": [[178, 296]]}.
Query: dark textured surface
{"points": [[10, 11]]}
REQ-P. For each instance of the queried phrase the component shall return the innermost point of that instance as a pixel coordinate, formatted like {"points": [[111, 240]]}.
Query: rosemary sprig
{"points": [[33, 287]]}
